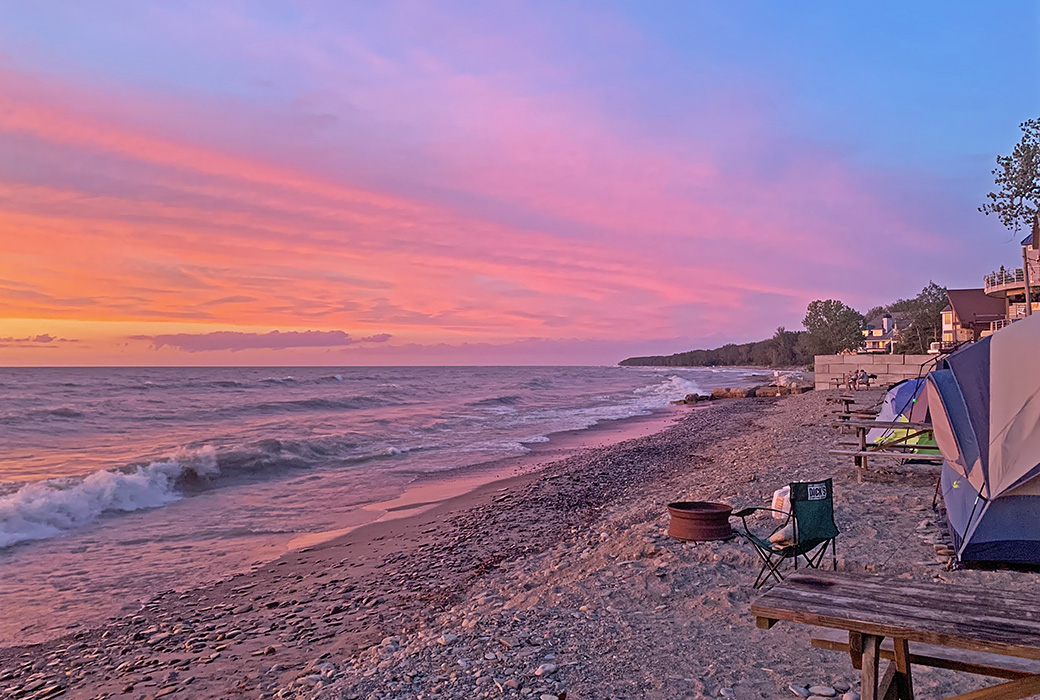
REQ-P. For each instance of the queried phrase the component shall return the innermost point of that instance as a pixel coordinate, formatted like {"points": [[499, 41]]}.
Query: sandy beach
{"points": [[561, 580]]}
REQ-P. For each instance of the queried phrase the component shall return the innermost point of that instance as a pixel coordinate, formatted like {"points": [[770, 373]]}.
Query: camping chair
{"points": [[811, 519]]}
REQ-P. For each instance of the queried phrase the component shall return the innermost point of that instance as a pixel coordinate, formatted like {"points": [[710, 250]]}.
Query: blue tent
{"points": [[906, 402], [985, 408]]}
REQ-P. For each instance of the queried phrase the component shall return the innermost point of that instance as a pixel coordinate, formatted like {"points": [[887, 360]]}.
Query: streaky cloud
{"points": [[274, 340]]}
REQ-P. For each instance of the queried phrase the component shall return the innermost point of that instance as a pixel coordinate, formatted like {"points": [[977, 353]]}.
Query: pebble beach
{"points": [[562, 583]]}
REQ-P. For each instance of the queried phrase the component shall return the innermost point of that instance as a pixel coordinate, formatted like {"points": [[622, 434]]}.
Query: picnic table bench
{"points": [[848, 411], [970, 629], [896, 448]]}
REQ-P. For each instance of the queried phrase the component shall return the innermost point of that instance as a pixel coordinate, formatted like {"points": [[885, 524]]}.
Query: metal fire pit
{"points": [[699, 521]]}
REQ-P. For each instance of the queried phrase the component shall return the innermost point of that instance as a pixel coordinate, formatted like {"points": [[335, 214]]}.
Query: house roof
{"points": [[900, 321], [973, 305]]}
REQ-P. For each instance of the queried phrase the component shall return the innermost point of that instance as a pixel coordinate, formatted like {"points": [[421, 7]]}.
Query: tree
{"points": [[875, 312], [1017, 177], [783, 348], [924, 313], [832, 327]]}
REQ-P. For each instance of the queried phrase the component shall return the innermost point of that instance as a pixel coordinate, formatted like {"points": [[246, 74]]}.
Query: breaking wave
{"points": [[673, 389], [47, 508]]}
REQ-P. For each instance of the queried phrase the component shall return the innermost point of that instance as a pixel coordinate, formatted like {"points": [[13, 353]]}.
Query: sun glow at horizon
{"points": [[467, 187]]}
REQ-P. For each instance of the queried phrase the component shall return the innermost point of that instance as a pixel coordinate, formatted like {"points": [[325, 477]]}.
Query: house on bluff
{"points": [[1018, 289], [970, 314], [1008, 295], [881, 332]]}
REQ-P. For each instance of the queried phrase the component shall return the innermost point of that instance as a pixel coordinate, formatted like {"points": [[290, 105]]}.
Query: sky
{"points": [[426, 183]]}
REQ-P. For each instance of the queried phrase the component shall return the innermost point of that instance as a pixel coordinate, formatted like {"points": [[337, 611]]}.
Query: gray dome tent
{"points": [[985, 407]]}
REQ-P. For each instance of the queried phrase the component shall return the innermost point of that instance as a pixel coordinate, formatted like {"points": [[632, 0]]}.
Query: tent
{"points": [[985, 408], [906, 401]]}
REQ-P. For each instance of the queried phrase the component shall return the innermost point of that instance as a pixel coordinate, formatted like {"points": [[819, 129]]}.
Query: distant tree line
{"points": [[831, 327], [785, 348]]}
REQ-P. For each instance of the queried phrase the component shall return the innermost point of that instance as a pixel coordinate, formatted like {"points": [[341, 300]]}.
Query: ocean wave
{"points": [[290, 379], [42, 414], [62, 412], [225, 384], [278, 380], [320, 404], [672, 389], [510, 400], [44, 509]]}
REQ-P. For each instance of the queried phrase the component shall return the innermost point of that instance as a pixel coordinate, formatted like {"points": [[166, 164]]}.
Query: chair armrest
{"points": [[748, 511]]}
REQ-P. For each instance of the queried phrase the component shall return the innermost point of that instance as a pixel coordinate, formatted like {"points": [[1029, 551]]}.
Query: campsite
{"points": [[597, 600], [498, 350]]}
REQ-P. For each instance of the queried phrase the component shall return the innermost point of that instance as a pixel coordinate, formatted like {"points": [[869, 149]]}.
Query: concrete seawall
{"points": [[888, 368]]}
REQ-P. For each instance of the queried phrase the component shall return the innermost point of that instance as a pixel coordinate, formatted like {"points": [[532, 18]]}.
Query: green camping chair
{"points": [[813, 528]]}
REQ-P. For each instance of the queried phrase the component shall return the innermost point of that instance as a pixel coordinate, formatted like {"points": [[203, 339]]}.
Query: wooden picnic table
{"points": [[900, 448], [991, 624]]}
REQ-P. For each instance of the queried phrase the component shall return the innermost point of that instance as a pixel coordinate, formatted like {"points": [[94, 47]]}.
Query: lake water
{"points": [[118, 483]]}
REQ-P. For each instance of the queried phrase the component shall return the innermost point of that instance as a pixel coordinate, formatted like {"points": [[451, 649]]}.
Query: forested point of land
{"points": [[765, 353]]}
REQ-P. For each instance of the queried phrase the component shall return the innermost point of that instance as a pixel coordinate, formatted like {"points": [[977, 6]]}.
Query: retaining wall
{"points": [[888, 368]]}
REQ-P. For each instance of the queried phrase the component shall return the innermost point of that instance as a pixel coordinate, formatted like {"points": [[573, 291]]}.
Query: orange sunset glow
{"points": [[446, 203]]}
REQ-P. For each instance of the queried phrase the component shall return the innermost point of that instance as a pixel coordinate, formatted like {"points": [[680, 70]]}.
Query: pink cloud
{"points": [[274, 340], [508, 214], [41, 339]]}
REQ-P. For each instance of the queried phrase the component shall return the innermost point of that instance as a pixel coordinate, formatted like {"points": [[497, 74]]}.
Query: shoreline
{"points": [[433, 489], [423, 491], [557, 581], [359, 555]]}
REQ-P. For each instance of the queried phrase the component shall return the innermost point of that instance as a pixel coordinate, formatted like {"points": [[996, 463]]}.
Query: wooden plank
{"points": [[1012, 690], [869, 675], [963, 617], [1005, 605], [888, 424], [887, 687], [966, 635], [855, 649], [878, 453], [895, 614], [974, 662], [764, 623], [904, 677]]}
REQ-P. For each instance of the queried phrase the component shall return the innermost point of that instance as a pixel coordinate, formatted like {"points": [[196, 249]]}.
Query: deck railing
{"points": [[1013, 278]]}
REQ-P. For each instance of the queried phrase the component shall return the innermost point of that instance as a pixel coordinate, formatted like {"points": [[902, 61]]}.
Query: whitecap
{"points": [[47, 508]]}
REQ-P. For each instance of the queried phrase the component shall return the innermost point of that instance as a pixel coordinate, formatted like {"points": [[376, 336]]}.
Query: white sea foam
{"points": [[47, 508], [673, 389]]}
